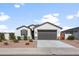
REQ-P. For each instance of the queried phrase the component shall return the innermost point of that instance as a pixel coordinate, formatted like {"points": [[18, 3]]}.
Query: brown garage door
{"points": [[47, 34]]}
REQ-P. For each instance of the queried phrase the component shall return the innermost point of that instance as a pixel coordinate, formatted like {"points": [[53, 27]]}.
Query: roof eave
{"points": [[49, 23]]}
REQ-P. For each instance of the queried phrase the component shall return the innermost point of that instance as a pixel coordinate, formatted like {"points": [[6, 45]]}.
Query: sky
{"points": [[13, 15]]}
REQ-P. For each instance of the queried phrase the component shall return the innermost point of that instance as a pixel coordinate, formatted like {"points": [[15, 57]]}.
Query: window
{"points": [[23, 32]]}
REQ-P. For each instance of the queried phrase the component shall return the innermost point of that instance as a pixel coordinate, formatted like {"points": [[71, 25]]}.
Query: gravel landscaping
{"points": [[20, 44], [27, 44], [72, 42]]}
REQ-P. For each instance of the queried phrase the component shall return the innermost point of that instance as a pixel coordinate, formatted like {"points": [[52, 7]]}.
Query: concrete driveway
{"points": [[53, 43]]}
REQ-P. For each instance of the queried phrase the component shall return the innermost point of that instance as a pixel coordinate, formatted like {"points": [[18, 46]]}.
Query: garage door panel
{"points": [[47, 34]]}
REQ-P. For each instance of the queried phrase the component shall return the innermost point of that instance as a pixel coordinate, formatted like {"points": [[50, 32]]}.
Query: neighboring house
{"points": [[45, 31], [23, 31], [6, 34], [73, 31]]}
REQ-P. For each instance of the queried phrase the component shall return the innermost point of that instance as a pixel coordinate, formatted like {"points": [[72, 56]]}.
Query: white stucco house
{"points": [[44, 31]]}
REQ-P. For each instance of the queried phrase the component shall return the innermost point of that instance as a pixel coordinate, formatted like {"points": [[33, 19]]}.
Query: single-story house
{"points": [[72, 31], [44, 31], [6, 34]]}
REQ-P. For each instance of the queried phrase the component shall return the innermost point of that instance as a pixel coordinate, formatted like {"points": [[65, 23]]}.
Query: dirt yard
{"points": [[20, 44], [72, 42]]}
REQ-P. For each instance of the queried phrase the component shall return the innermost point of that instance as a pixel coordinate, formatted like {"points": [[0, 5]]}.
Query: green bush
{"points": [[25, 37], [16, 41], [71, 37], [0, 40], [12, 36], [30, 40], [18, 37], [2, 37]]}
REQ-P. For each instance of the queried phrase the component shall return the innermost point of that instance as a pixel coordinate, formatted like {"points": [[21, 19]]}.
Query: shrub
{"points": [[27, 43], [18, 37], [12, 36], [16, 41], [30, 40], [0, 40], [25, 37], [2, 37], [6, 43], [71, 37]]}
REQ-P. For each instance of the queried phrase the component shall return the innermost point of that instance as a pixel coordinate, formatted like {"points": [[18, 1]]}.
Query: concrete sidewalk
{"points": [[39, 51]]}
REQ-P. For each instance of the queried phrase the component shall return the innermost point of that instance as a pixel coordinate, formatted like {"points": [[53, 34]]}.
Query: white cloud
{"points": [[56, 14], [17, 5], [70, 17], [4, 28], [75, 15], [2, 13], [3, 17], [49, 18], [7, 30]]}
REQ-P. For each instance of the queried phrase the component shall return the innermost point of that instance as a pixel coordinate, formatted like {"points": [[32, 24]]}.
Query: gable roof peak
{"points": [[22, 26], [49, 23]]}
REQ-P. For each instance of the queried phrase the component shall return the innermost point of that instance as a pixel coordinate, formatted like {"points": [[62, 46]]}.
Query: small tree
{"points": [[18, 37], [2, 37], [0, 40], [71, 37], [25, 37], [12, 36]]}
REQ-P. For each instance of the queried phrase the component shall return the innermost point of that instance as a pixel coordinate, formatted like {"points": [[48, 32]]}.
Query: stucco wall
{"points": [[6, 36], [18, 32], [66, 36], [46, 27], [76, 34]]}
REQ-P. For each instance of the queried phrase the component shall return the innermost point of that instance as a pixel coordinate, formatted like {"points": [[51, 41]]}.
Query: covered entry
{"points": [[47, 34]]}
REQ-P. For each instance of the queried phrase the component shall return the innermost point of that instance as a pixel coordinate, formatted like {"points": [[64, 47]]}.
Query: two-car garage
{"points": [[47, 34], [47, 31]]}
